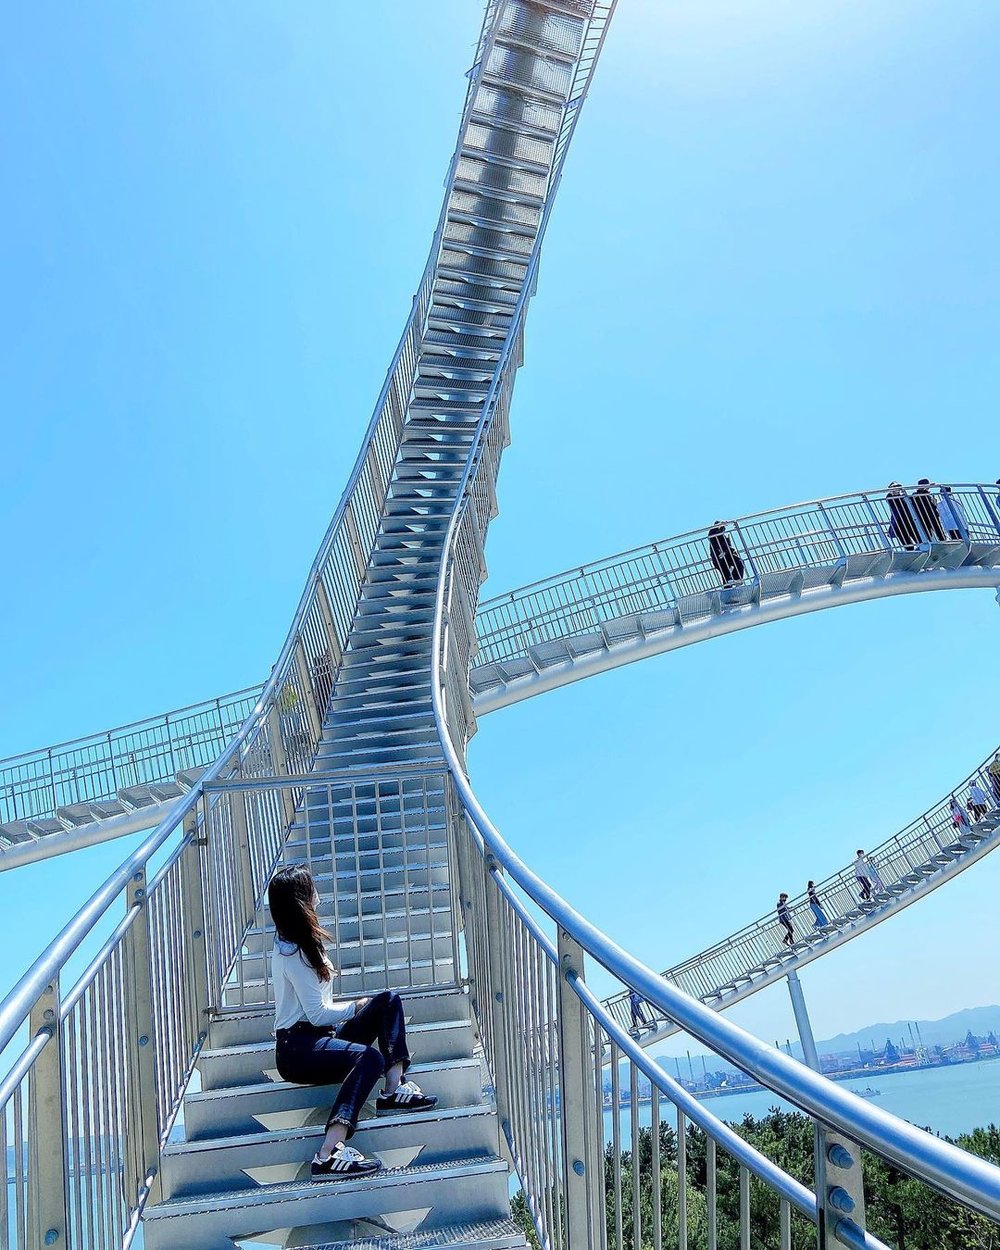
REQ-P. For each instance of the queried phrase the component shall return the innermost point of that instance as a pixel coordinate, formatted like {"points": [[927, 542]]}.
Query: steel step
{"points": [[241, 1028], [225, 1112], [446, 1192], [502, 1234], [247, 1161]]}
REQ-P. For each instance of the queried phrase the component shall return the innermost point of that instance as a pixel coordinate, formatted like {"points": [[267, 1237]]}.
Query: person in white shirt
{"points": [[977, 802], [321, 1040], [863, 875]]}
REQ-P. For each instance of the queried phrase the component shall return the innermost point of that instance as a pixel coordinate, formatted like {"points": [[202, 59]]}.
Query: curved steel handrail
{"points": [[765, 1169], [969, 1179]]}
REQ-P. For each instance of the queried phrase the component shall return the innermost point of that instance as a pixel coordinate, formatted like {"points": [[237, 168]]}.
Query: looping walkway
{"points": [[929, 851], [669, 594]]}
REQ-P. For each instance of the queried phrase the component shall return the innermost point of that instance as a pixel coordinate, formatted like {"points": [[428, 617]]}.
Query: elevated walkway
{"points": [[623, 608], [668, 594], [919, 859]]}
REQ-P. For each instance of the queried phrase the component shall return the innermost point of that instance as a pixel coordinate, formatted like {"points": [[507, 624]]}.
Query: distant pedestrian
{"points": [[994, 775], [814, 905], [726, 560], [903, 526], [862, 874], [977, 802], [785, 920], [925, 506], [952, 516], [958, 817], [637, 1008]]}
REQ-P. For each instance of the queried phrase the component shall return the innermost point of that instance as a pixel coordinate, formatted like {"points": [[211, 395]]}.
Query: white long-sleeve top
{"points": [[299, 994]]}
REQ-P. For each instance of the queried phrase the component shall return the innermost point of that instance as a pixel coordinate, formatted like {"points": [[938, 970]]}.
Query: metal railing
{"points": [[95, 768], [933, 842], [95, 1130], [753, 557], [85, 1135], [545, 1037]]}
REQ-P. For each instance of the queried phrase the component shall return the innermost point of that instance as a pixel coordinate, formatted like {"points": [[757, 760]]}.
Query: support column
{"points": [[840, 1189], [48, 1216], [194, 930], [142, 1129], [577, 1105]]}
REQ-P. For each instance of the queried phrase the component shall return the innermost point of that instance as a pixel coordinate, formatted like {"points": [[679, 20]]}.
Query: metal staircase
{"points": [[141, 1097], [241, 1169]]}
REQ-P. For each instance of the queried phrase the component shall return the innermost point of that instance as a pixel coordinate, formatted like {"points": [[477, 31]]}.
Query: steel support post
{"points": [[241, 832], [326, 611], [577, 1105], [840, 1189], [497, 954], [142, 1134], [48, 1213], [309, 692], [279, 760], [196, 945]]}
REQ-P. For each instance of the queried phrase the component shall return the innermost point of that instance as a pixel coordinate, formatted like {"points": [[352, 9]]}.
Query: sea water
{"points": [[949, 1100]]}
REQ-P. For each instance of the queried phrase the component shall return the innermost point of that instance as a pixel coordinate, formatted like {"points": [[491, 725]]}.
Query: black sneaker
{"points": [[345, 1161], [407, 1096]]}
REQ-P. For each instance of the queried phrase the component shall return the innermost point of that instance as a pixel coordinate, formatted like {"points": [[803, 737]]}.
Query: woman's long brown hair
{"points": [[290, 897]]}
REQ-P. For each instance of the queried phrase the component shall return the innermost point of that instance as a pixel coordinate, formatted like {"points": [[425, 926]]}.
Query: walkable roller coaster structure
{"points": [[138, 1100]]}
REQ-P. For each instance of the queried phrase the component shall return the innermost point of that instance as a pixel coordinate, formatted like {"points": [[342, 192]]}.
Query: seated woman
{"points": [[321, 1040]]}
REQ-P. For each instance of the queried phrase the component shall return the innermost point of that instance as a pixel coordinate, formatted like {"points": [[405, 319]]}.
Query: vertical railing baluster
{"points": [[682, 1231], [711, 1193], [575, 1100], [744, 1208]]}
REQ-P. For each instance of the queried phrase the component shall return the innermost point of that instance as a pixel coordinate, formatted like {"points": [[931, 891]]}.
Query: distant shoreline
{"points": [[856, 1074]]}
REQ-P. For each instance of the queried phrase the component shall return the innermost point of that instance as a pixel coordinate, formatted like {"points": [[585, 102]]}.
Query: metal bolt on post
{"points": [[47, 1195], [577, 1105]]}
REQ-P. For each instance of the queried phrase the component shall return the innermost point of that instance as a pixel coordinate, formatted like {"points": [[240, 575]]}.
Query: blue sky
{"points": [[772, 275]]}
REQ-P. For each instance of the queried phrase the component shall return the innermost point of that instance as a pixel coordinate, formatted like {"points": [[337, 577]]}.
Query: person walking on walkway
{"points": [[785, 920], [814, 904], [977, 802], [863, 875], [994, 775], [636, 1006], [903, 526], [321, 1040], [959, 819], [952, 516], [926, 509], [726, 560]]}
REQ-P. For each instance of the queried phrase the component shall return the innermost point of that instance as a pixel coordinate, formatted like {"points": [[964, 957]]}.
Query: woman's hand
{"points": [[359, 1003]]}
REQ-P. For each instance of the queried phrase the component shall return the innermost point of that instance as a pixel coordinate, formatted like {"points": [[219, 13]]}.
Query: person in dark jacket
{"points": [[903, 526], [785, 920], [925, 506], [636, 1006], [726, 559]]}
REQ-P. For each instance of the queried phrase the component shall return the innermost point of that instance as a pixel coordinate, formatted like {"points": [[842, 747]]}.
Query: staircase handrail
{"points": [[963, 1176]]}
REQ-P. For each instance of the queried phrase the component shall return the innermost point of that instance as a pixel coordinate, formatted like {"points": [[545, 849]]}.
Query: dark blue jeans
{"points": [[307, 1054]]}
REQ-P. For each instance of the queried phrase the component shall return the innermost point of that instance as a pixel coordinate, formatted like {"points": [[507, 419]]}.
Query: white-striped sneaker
{"points": [[343, 1162], [407, 1096]]}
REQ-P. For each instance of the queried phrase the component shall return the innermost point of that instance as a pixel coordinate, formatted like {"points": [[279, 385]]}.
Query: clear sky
{"points": [[772, 275]]}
